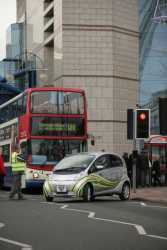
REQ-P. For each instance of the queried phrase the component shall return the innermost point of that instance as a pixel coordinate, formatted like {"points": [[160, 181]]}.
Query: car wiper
{"points": [[58, 170], [68, 169]]}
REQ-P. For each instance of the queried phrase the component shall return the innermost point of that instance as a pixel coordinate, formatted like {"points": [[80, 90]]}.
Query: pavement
{"points": [[152, 194]]}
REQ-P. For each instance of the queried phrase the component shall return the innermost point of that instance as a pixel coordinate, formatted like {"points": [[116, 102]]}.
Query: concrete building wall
{"points": [[93, 44], [100, 54]]}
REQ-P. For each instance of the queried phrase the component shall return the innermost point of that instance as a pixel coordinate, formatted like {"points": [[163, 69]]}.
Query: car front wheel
{"points": [[88, 193], [125, 194]]}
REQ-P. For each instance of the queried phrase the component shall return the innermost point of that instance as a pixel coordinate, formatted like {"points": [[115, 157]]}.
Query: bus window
{"points": [[77, 103], [6, 152], [44, 102], [71, 103], [24, 104], [3, 115], [20, 106], [57, 102], [14, 109]]}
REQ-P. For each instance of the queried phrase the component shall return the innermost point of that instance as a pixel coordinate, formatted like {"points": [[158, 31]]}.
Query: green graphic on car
{"points": [[94, 180]]}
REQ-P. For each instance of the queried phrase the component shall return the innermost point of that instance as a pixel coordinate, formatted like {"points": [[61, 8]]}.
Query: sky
{"points": [[7, 16]]}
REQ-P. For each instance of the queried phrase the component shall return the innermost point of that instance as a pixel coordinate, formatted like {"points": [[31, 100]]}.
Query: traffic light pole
{"points": [[138, 127], [134, 156]]}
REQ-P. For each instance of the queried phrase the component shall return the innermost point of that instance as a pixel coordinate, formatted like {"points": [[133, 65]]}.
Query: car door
{"points": [[115, 170], [99, 175], [111, 173]]}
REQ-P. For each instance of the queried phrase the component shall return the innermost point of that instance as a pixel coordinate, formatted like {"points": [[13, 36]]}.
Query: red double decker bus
{"points": [[49, 123]]}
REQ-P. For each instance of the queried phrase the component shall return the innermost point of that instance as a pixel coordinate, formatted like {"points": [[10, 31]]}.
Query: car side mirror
{"points": [[99, 167]]}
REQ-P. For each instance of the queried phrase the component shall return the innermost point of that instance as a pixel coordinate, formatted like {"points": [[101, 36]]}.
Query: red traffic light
{"points": [[142, 116], [142, 125]]}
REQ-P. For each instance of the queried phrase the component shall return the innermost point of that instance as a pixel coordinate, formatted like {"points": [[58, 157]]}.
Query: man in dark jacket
{"points": [[128, 165], [155, 172], [144, 167]]}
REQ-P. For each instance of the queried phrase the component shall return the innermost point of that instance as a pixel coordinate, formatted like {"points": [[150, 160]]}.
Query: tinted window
{"points": [[57, 102], [20, 106], [101, 161], [54, 150], [115, 161], [6, 152], [14, 109], [24, 104], [3, 115]]}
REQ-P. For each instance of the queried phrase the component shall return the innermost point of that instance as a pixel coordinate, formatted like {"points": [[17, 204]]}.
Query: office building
{"points": [[90, 44], [153, 59]]}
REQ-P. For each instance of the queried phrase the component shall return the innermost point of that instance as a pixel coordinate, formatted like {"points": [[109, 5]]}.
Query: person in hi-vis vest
{"points": [[18, 169]]}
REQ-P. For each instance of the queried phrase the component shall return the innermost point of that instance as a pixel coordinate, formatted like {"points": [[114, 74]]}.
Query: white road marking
{"points": [[64, 207], [163, 207], [156, 236], [140, 229], [146, 205], [24, 246], [91, 215], [2, 225], [143, 204]]}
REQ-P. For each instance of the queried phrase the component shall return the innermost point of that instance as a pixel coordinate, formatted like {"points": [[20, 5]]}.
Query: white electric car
{"points": [[88, 175]]}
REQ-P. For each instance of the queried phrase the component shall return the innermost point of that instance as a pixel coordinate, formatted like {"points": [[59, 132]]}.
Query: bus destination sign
{"points": [[57, 126]]}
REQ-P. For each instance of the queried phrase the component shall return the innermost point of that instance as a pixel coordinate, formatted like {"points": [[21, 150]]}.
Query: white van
{"points": [[88, 175]]}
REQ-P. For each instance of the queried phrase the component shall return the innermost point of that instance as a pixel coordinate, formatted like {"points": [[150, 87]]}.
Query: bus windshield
{"points": [[57, 102], [48, 151]]}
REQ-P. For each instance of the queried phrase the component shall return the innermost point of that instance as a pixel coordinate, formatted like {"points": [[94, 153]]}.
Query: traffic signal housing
{"points": [[142, 128]]}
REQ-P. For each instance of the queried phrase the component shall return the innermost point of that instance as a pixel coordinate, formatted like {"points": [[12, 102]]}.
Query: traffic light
{"points": [[130, 120], [142, 128]]}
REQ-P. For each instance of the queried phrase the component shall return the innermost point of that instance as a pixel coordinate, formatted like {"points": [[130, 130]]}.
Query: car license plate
{"points": [[61, 189]]}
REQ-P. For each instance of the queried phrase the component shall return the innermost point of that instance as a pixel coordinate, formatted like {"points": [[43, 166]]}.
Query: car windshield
{"points": [[75, 162]]}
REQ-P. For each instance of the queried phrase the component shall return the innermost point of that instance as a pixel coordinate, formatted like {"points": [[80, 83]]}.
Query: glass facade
{"points": [[14, 40], [6, 66], [14, 49], [153, 61]]}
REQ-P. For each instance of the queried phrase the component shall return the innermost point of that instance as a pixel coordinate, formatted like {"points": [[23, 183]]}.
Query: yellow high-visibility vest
{"points": [[17, 165]]}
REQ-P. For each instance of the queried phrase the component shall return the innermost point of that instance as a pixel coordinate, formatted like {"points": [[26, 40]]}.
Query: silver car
{"points": [[88, 175]]}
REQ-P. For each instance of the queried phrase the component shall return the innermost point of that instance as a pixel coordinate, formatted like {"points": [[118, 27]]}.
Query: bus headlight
{"points": [[35, 175]]}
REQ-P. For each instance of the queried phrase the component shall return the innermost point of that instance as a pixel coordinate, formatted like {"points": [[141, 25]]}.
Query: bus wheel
{"points": [[125, 194], [1, 181], [88, 193], [48, 198]]}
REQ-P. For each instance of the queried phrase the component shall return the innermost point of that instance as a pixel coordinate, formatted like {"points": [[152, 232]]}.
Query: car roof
{"points": [[98, 153]]}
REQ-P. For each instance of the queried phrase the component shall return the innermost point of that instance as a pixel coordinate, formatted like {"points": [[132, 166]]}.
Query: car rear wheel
{"points": [[125, 194], [88, 193]]}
